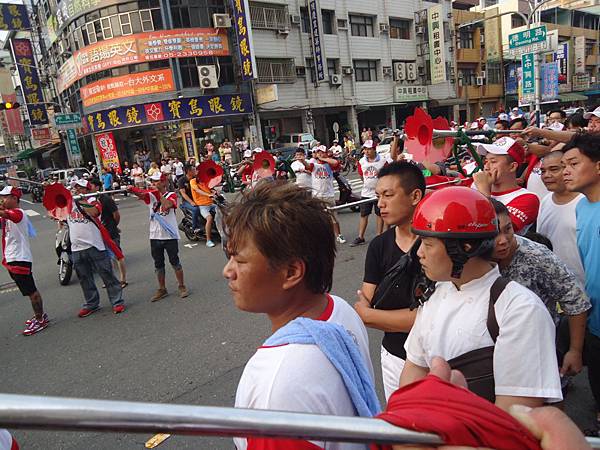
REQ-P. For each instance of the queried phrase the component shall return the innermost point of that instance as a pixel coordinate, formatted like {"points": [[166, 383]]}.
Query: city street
{"points": [[188, 351]]}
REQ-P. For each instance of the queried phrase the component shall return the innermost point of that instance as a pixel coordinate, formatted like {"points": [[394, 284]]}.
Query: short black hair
{"points": [[95, 181], [300, 150], [189, 167], [503, 122], [577, 120], [540, 239], [499, 207], [563, 115], [517, 120], [409, 175], [587, 143]]}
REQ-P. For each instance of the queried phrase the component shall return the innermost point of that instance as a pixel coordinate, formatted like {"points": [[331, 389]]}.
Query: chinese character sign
{"points": [[562, 58], [510, 79], [437, 52], [579, 54], [31, 87], [108, 151], [527, 88], [314, 13], [14, 17], [549, 72], [72, 142], [168, 110], [243, 32]]}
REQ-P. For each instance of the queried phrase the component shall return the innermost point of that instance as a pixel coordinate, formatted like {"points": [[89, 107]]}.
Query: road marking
{"points": [[27, 201], [190, 245], [5, 288], [31, 212]]}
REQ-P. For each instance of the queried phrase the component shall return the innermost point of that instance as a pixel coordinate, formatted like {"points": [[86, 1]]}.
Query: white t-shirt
{"points": [[369, 170], [137, 174], [557, 223], [322, 179], [336, 149], [166, 168], [178, 166], [453, 322], [300, 378], [16, 238], [84, 234], [303, 176], [157, 231], [535, 183]]}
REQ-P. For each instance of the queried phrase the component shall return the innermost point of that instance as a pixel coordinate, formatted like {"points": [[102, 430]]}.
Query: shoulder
{"points": [[518, 303], [381, 241]]}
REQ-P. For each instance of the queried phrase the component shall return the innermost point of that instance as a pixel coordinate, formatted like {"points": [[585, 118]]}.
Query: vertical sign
{"points": [[510, 80], [14, 17], [12, 117], [314, 13], [549, 72], [108, 151], [243, 33], [579, 54], [528, 80], [72, 142], [562, 58], [437, 53], [189, 140], [30, 81]]}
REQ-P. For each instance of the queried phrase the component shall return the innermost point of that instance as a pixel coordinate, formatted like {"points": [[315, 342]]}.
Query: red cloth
{"points": [[458, 416], [280, 444]]}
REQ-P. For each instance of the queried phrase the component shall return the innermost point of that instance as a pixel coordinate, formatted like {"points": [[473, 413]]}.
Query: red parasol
{"points": [[58, 201], [209, 173]]}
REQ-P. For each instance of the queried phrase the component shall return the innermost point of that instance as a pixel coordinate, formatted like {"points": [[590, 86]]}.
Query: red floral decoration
{"points": [[209, 173], [58, 201]]}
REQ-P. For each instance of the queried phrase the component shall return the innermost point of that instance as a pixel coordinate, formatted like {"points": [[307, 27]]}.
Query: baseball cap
{"points": [[83, 183], [474, 126], [11, 190], [248, 153], [481, 118], [368, 144], [503, 116], [257, 150], [588, 115], [504, 146]]}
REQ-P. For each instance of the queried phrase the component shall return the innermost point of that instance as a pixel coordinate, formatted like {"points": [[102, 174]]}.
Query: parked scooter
{"points": [[63, 251]]}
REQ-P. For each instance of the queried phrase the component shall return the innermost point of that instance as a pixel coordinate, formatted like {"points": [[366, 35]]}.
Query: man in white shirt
{"points": [[556, 219], [89, 253], [497, 332], [178, 167], [336, 149], [303, 176], [276, 269]]}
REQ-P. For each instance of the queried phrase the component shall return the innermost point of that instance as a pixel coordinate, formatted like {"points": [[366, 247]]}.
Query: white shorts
{"points": [[391, 368]]}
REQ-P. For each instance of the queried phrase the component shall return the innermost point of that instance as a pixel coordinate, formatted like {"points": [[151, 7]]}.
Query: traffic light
{"points": [[9, 105], [271, 132]]}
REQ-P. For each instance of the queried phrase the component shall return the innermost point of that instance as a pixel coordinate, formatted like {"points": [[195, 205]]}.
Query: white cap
{"points": [[474, 126], [504, 146], [368, 144], [257, 150], [11, 190], [556, 126], [502, 116], [516, 109], [588, 115], [82, 183], [248, 153], [481, 118], [156, 176]]}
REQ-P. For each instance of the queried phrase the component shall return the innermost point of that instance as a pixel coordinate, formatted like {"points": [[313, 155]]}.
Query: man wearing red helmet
{"points": [[498, 333], [16, 255], [499, 181]]}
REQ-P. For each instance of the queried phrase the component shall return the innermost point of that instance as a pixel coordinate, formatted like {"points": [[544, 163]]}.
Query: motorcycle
{"points": [[199, 234], [346, 194], [37, 193], [63, 251]]}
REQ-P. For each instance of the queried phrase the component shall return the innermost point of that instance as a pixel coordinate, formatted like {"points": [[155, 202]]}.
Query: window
{"points": [[494, 73], [516, 21], [189, 72], [269, 17], [305, 19], [146, 18], [361, 25], [276, 70], [466, 39], [400, 28], [310, 67], [365, 70], [91, 33], [328, 17], [468, 77], [332, 66], [106, 29], [125, 22]]}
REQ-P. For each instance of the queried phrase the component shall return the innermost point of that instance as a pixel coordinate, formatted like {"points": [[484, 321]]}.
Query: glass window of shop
{"points": [[195, 13]]}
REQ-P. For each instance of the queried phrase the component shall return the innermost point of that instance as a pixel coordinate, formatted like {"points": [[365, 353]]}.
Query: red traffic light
{"points": [[9, 105]]}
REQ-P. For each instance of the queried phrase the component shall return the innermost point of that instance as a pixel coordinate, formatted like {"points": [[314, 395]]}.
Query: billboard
{"points": [[14, 17], [579, 54], [142, 47], [243, 33], [314, 11], [437, 52], [131, 85], [107, 148], [549, 87]]}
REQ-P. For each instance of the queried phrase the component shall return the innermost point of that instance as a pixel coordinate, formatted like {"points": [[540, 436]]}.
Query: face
{"points": [[254, 285], [499, 165], [552, 174], [370, 152], [505, 239], [434, 259], [517, 126], [191, 173], [594, 125], [9, 201], [396, 206], [580, 172], [299, 155], [554, 117], [320, 154]]}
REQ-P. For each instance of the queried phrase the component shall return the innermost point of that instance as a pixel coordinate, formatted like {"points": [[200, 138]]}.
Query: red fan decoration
{"points": [[210, 173], [264, 163], [444, 145], [419, 131], [58, 201]]}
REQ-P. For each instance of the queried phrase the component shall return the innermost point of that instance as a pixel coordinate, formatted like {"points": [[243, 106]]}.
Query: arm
{"points": [[14, 215], [185, 196], [394, 148], [331, 161], [117, 217], [506, 401], [92, 210], [538, 150], [411, 373], [573, 360], [551, 135], [397, 320], [139, 193]]}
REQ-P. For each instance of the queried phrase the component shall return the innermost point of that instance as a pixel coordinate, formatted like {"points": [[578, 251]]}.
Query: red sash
{"points": [[113, 247]]}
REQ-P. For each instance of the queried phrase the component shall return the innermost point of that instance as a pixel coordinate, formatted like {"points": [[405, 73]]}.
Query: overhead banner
{"points": [[142, 47], [549, 73], [107, 148], [168, 110], [437, 54], [579, 54], [14, 17], [11, 119], [314, 13], [30, 81], [134, 84], [243, 33]]}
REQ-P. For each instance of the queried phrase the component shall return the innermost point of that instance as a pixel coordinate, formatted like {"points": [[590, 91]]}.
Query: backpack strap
{"points": [[495, 292]]}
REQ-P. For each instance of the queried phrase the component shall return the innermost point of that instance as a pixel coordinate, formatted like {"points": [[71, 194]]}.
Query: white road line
{"points": [[31, 212], [27, 201]]}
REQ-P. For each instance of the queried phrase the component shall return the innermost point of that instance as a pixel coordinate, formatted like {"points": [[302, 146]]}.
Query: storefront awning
{"points": [[594, 92], [572, 97], [48, 153], [27, 153]]}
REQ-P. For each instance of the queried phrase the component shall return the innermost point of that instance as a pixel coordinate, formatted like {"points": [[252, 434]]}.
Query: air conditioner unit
{"points": [[295, 19], [421, 70], [342, 24], [479, 81], [221, 21], [335, 79], [347, 70], [400, 71], [283, 31], [419, 29], [208, 77], [384, 27], [387, 71], [411, 71]]}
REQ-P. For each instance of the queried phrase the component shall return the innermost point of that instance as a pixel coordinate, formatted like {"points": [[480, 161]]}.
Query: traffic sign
{"points": [[69, 120], [528, 81], [527, 37]]}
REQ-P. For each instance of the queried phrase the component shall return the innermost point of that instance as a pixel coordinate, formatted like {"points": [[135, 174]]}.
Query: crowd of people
{"points": [[492, 285]]}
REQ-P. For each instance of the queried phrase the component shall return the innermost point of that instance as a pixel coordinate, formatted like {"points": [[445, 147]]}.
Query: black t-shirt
{"points": [[108, 220], [184, 183], [382, 254]]}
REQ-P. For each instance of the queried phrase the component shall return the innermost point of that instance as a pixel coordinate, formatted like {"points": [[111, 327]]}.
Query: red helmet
{"points": [[455, 213]]}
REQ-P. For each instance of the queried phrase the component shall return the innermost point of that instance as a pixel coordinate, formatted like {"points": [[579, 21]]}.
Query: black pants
{"points": [[158, 248], [591, 358]]}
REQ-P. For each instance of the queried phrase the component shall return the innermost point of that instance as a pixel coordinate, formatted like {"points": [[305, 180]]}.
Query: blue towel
{"points": [[31, 230], [341, 350], [163, 223]]}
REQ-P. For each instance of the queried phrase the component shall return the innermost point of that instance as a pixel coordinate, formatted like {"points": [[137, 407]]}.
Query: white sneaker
{"points": [[340, 239], [210, 244]]}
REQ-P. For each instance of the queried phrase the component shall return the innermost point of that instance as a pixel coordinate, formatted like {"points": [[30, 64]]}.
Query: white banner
{"points": [[437, 52], [579, 54]]}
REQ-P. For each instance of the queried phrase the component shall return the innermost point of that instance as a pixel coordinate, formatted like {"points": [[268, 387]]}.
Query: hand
{"points": [[441, 369], [532, 132], [362, 306], [484, 181], [572, 363]]}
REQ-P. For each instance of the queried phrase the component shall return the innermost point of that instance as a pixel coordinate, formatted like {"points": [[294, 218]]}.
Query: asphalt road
{"points": [[187, 351]]}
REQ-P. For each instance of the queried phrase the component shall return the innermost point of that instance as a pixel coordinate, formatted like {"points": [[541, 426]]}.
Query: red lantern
{"points": [[58, 201], [209, 173]]}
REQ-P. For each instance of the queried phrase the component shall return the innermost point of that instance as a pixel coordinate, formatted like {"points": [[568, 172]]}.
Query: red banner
{"points": [[108, 151], [41, 134], [13, 122]]}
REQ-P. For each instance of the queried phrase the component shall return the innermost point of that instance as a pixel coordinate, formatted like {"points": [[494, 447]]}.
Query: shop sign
{"points": [[562, 58], [511, 84], [189, 140], [314, 11], [549, 74], [72, 142], [31, 87], [168, 111], [243, 33], [437, 52], [14, 17], [142, 83], [142, 47], [41, 134], [266, 94], [403, 94], [493, 48], [108, 151], [579, 54]]}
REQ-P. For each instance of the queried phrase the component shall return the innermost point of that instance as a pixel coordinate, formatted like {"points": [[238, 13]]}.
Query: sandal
{"points": [[124, 284]]}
